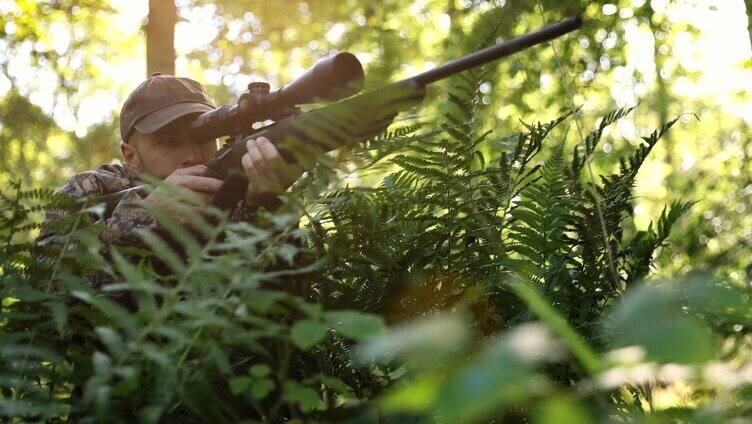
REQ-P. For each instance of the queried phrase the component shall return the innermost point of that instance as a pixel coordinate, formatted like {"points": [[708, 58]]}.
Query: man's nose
{"points": [[192, 155]]}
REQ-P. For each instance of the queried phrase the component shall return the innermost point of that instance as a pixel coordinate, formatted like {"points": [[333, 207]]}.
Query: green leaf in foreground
{"points": [[584, 354], [307, 333], [356, 325], [653, 317], [561, 410], [304, 396], [261, 388]]}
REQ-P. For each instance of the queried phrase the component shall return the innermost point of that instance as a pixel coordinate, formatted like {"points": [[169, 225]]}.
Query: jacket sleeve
{"points": [[128, 216], [120, 227], [80, 187]]}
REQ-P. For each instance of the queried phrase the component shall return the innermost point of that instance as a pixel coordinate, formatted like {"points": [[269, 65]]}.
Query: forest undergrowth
{"points": [[486, 277]]}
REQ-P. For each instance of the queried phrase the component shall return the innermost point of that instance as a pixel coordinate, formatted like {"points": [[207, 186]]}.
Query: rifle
{"points": [[300, 136]]}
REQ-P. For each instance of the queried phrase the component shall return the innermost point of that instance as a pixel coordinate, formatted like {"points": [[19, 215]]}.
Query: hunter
{"points": [[154, 141]]}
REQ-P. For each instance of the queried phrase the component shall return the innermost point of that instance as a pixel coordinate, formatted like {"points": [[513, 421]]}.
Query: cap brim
{"points": [[159, 118]]}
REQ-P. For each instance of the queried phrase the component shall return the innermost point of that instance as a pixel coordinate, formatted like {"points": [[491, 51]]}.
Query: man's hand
{"points": [[188, 178], [267, 171]]}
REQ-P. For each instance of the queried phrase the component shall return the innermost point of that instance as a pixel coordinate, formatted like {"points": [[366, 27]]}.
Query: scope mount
{"points": [[259, 104]]}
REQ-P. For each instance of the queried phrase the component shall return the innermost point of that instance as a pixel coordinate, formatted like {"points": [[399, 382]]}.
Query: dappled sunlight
{"points": [[562, 235]]}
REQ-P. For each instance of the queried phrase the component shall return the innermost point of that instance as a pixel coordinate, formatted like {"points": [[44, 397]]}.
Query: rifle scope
{"points": [[332, 78]]}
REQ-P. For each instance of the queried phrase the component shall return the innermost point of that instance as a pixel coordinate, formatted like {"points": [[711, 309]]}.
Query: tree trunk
{"points": [[160, 37], [748, 5], [663, 97]]}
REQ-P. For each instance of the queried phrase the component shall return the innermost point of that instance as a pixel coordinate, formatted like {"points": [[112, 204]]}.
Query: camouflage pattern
{"points": [[128, 216]]}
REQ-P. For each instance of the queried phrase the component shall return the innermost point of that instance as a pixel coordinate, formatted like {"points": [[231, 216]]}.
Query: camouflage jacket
{"points": [[128, 215]]}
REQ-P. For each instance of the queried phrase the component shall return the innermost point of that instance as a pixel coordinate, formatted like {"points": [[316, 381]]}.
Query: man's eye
{"points": [[165, 141]]}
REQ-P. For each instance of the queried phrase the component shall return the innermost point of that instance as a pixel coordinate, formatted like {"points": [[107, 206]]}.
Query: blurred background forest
{"points": [[67, 66]]}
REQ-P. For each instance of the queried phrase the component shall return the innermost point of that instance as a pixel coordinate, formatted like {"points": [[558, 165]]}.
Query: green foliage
{"points": [[508, 268], [454, 221], [262, 320], [277, 321], [203, 341], [55, 62], [657, 343]]}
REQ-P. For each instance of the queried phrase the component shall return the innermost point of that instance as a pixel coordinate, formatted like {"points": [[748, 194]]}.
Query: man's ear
{"points": [[130, 157]]}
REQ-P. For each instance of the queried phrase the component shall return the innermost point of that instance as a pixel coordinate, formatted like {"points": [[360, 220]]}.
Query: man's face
{"points": [[170, 148]]}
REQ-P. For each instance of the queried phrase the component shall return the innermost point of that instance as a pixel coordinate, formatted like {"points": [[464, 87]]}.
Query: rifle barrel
{"points": [[498, 51]]}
